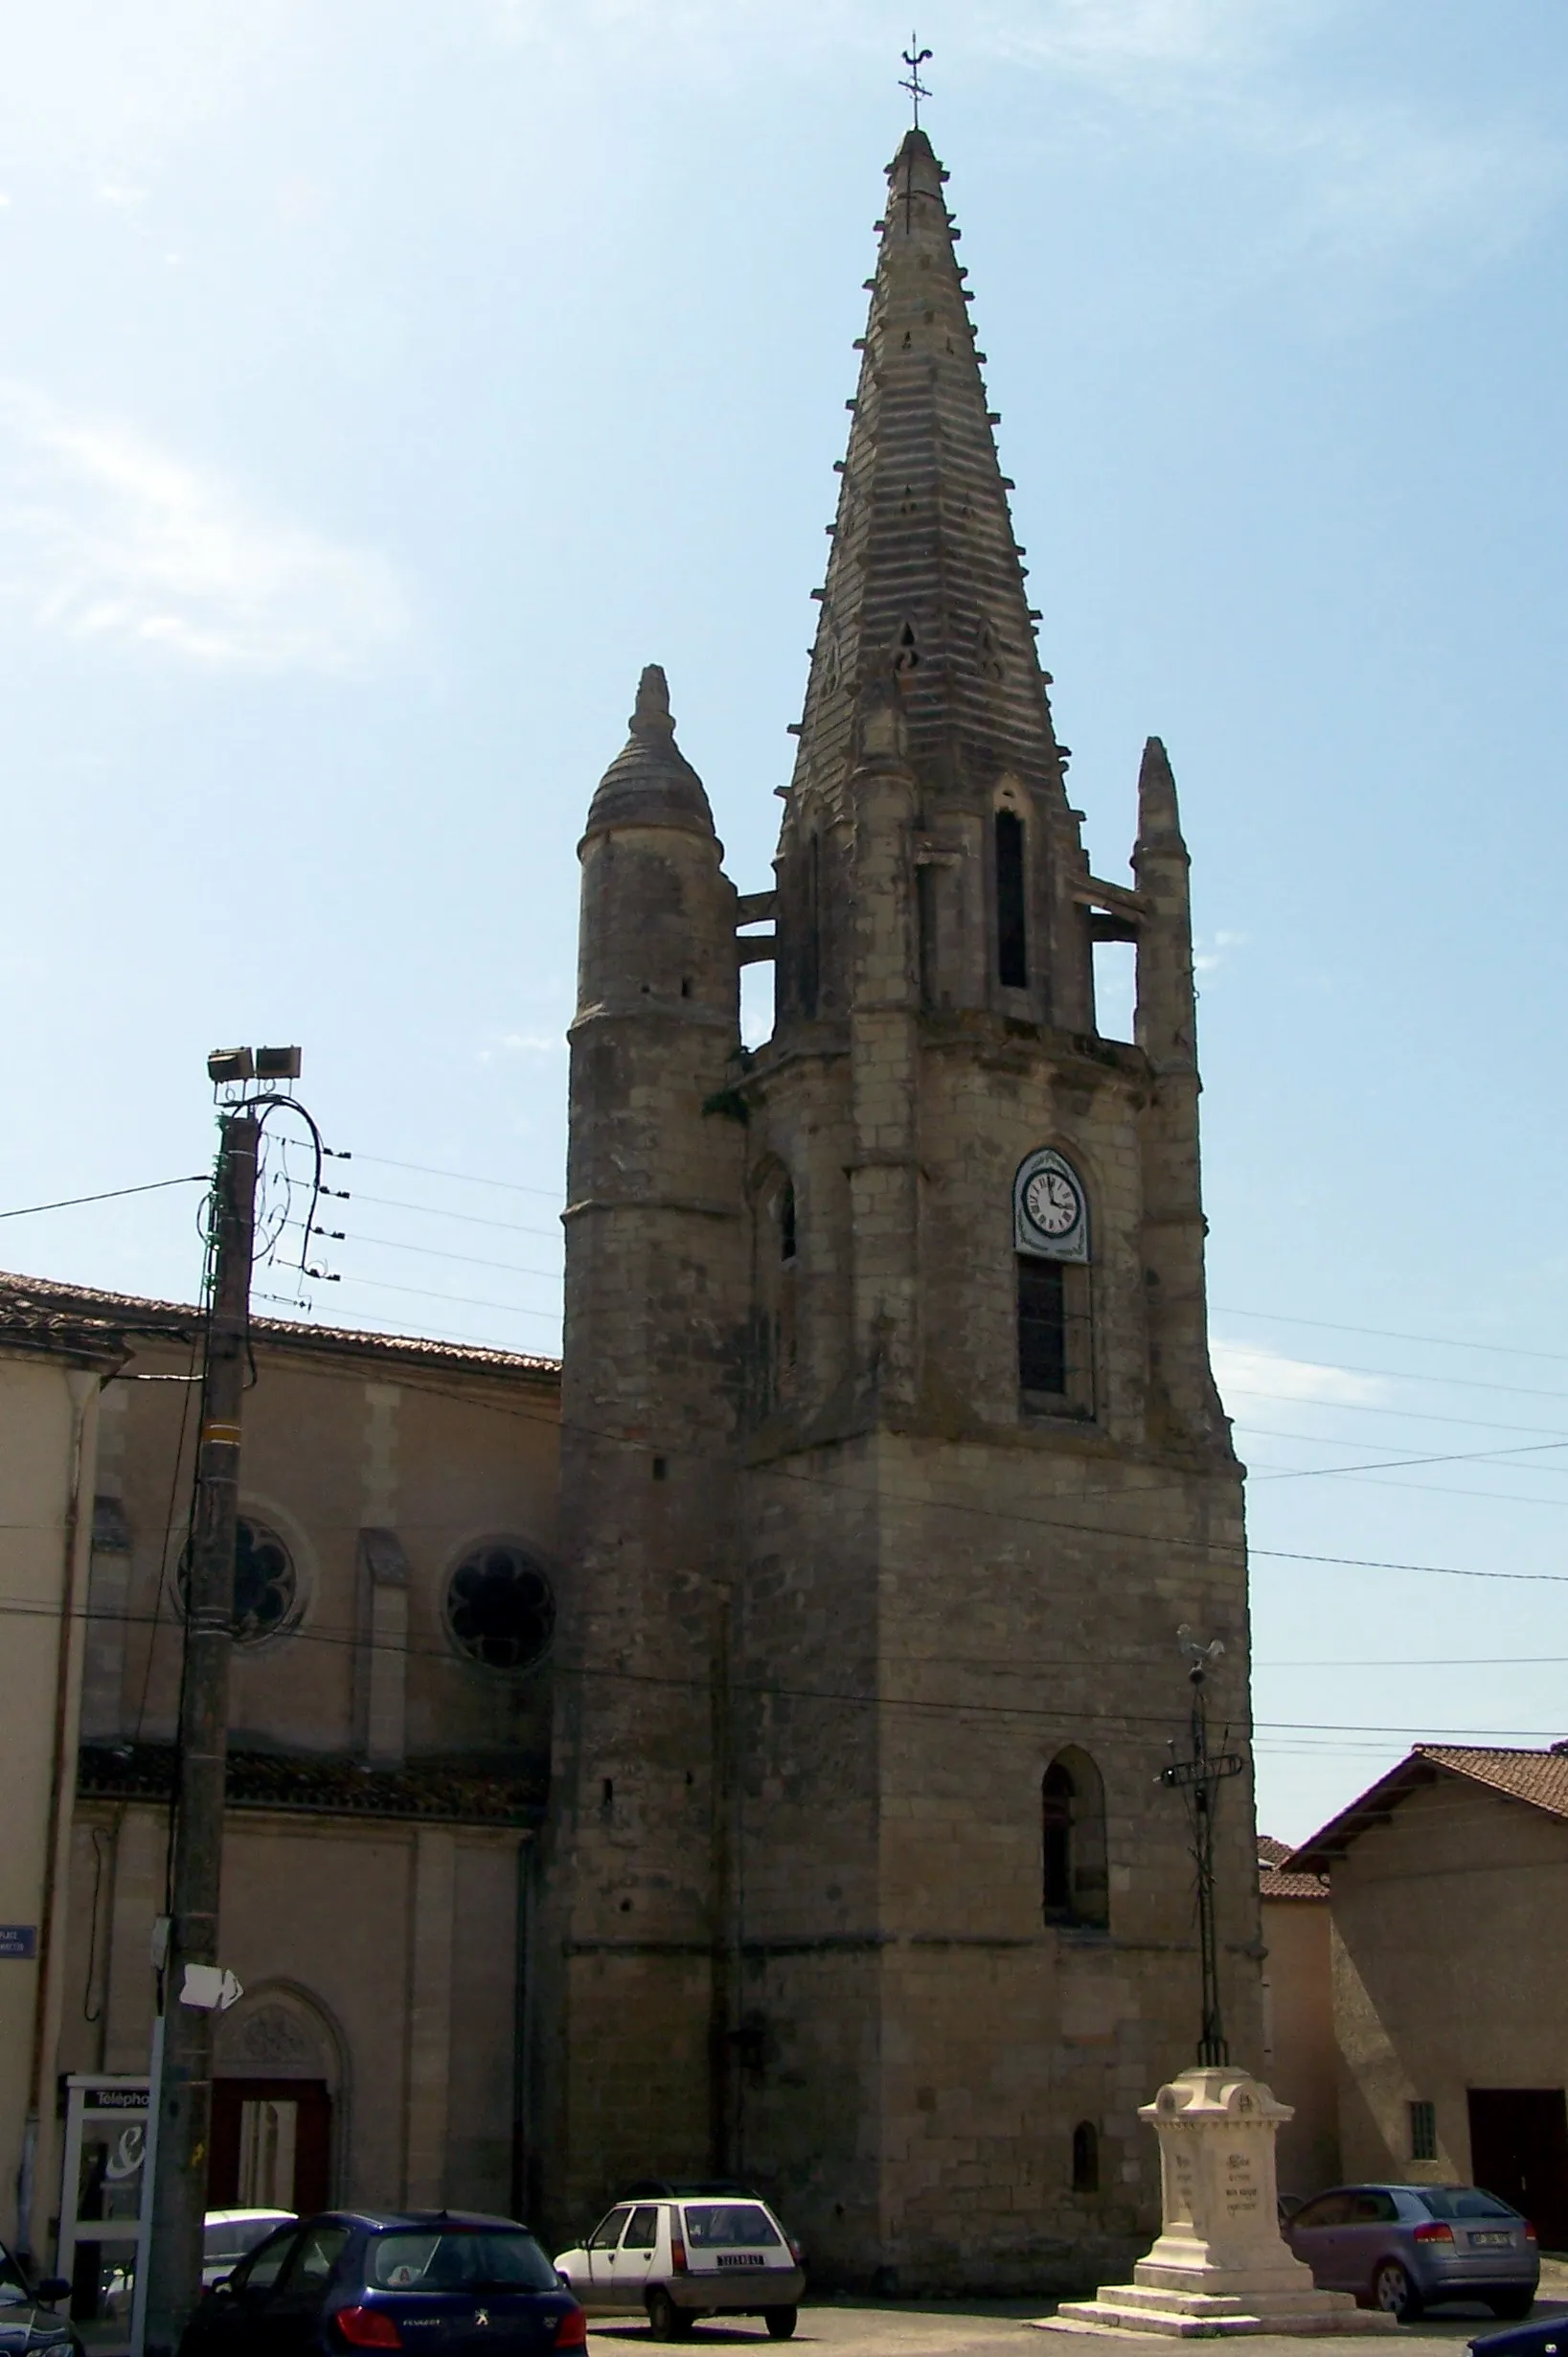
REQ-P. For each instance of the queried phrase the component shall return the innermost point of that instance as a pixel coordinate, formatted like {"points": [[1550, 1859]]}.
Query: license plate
{"points": [[1491, 2240], [741, 2258]]}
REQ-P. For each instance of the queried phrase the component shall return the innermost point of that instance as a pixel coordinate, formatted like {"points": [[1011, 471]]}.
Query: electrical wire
{"points": [[1389, 1334], [471, 1178], [1473, 1738], [69, 1202]]}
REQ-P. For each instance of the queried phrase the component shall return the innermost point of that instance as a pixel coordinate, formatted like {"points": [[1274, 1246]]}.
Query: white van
{"points": [[685, 2254]]}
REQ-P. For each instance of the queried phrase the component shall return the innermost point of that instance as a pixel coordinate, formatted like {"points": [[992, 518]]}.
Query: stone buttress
{"points": [[942, 1352]]}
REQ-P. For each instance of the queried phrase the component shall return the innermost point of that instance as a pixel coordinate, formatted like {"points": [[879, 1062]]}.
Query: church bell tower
{"points": [[865, 1694]]}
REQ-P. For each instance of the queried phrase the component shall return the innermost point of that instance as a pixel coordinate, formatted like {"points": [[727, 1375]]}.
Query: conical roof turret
{"points": [[925, 572], [650, 783]]}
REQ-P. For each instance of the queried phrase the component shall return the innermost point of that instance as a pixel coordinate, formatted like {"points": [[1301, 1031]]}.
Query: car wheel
{"points": [[779, 2323], [665, 2321], [1393, 2291], [1511, 2306]]}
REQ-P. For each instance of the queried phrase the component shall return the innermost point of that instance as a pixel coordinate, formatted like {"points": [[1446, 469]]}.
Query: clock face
{"points": [[1053, 1202]]}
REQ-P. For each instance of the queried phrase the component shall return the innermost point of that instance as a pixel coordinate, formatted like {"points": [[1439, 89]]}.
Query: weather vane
{"points": [[915, 57]]}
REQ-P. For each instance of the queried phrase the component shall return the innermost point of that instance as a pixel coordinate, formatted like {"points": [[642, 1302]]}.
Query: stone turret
{"points": [[654, 1307], [1183, 1402]]}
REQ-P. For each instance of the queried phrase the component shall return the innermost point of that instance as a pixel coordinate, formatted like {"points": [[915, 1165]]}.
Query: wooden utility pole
{"points": [[184, 2121]]}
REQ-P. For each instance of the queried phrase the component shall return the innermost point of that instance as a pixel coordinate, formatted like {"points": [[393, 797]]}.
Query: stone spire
{"points": [[650, 783], [925, 572]]}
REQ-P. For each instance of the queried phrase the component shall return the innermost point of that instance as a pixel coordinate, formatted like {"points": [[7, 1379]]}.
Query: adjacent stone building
{"points": [[52, 1369], [892, 1460], [389, 1739], [1449, 1883], [1298, 2041]]}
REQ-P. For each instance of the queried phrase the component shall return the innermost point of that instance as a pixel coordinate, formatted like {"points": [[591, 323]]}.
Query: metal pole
{"points": [[1212, 2045], [184, 2118]]}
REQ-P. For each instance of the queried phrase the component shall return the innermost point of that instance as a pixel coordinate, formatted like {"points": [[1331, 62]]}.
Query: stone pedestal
{"points": [[1220, 2264]]}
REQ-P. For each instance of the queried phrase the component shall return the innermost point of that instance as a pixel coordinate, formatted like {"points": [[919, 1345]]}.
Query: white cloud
{"points": [[1247, 1368], [106, 536]]}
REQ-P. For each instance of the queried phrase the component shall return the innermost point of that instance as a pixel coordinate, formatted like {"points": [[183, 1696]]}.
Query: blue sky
{"points": [[383, 385]]}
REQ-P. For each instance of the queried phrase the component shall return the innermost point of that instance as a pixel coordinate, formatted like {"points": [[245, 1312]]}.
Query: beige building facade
{"points": [[389, 1744], [52, 1369], [1450, 1881], [892, 1460], [1299, 2053]]}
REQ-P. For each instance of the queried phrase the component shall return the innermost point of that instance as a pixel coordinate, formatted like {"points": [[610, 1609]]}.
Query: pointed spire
{"points": [[1159, 822], [650, 783], [924, 571]]}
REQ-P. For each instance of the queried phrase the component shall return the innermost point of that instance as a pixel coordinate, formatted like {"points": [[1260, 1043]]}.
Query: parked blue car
{"points": [[1404, 2248], [427, 2281], [1549, 2339]]}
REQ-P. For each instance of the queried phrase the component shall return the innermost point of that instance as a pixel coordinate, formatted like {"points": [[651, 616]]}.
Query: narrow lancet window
{"points": [[1042, 1325], [1075, 1882], [1085, 2158], [1011, 919]]}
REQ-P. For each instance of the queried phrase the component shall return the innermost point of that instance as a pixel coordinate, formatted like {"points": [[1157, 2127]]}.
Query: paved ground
{"points": [[1000, 2328]]}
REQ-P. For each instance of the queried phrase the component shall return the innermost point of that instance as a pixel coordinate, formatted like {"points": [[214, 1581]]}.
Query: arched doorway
{"points": [[276, 2080]]}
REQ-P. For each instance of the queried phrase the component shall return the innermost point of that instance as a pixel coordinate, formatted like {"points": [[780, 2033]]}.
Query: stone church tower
{"points": [[893, 1460]]}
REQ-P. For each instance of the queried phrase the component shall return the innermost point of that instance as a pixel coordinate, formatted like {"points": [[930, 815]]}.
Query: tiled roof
{"points": [[1273, 1883], [431, 1791], [1539, 1779], [49, 1312]]}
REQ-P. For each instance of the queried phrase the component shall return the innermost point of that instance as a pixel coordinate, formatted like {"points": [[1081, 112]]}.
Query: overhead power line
{"points": [[1389, 1334], [464, 1178], [69, 1202]]}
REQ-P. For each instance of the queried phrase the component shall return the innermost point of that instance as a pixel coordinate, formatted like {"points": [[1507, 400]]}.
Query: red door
{"points": [[272, 2146]]}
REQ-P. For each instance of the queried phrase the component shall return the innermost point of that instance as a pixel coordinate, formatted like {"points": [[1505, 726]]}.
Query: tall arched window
{"points": [[1076, 1886], [774, 1263], [1011, 904]]}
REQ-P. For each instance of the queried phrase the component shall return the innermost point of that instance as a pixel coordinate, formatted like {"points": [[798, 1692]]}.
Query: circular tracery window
{"points": [[500, 1607], [265, 1588]]}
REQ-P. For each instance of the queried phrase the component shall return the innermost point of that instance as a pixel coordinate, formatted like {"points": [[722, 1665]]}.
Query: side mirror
{"points": [[54, 2287], [222, 2287]]}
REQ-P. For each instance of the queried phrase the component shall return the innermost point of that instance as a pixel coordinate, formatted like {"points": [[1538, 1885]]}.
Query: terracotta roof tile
{"points": [[1273, 1884], [1539, 1779], [454, 1793], [29, 1305]]}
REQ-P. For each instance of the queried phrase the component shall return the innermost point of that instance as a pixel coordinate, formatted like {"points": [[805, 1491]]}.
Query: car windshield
{"points": [[472, 2260], [1463, 2201], [232, 2238], [728, 2225]]}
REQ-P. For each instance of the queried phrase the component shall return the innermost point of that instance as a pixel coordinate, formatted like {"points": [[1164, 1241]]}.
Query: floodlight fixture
{"points": [[277, 1064], [229, 1063]]}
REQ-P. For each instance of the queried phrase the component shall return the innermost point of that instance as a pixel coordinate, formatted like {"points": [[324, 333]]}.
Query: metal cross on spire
{"points": [[915, 57]]}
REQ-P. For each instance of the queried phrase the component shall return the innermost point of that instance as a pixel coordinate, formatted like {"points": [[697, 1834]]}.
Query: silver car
{"points": [[1404, 2248]]}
